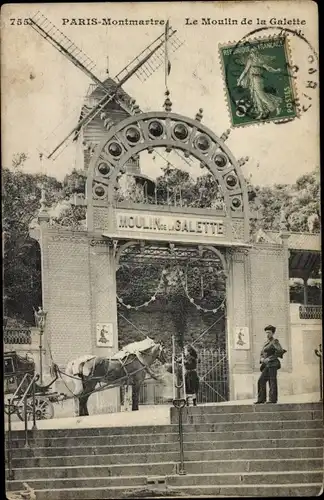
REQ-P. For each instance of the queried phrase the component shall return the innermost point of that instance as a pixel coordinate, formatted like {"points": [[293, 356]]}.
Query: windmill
{"points": [[110, 90]]}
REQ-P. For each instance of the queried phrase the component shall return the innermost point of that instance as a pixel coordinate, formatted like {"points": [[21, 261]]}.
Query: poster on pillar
{"points": [[105, 335], [242, 338]]}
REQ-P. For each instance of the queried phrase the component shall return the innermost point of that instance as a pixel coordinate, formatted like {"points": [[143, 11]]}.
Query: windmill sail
{"points": [[143, 66], [156, 50], [61, 42]]}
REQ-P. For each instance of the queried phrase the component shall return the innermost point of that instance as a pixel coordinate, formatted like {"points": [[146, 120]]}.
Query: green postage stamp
{"points": [[259, 81]]}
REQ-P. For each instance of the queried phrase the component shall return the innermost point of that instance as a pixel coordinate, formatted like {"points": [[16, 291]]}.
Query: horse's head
{"points": [[152, 349]]}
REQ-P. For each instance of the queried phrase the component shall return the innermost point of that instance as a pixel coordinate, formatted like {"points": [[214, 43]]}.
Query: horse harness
{"points": [[123, 363]]}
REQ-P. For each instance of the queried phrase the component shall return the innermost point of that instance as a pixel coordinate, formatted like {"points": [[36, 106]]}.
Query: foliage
{"points": [[21, 194], [74, 183], [176, 186], [300, 203], [21, 255], [314, 295], [71, 216]]}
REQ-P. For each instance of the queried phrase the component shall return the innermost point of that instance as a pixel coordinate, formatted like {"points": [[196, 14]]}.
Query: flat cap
{"points": [[271, 328]]}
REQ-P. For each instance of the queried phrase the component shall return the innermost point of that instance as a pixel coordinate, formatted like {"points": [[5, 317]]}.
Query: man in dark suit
{"points": [[269, 365]]}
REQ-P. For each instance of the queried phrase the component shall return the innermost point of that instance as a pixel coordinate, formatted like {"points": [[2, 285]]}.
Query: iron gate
{"points": [[213, 373], [212, 369]]}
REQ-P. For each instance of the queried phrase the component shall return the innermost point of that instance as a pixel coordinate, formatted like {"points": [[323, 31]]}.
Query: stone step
{"points": [[206, 417], [94, 440], [168, 468], [252, 408], [99, 431], [99, 493], [174, 480], [255, 478], [224, 412], [192, 415], [168, 456], [235, 413], [24, 453], [207, 432], [172, 430]]}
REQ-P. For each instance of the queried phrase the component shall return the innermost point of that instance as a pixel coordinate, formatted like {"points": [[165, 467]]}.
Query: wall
{"points": [[263, 299], [306, 335], [78, 292], [67, 295]]}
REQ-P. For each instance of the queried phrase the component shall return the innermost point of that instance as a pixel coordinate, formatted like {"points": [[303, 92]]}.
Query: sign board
{"points": [[105, 335], [242, 338], [140, 224], [170, 224]]}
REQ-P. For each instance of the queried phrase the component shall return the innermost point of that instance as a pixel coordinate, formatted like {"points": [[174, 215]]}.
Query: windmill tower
{"points": [[106, 103], [93, 132]]}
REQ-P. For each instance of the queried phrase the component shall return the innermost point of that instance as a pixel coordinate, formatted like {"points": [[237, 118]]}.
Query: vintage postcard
{"points": [[161, 247]]}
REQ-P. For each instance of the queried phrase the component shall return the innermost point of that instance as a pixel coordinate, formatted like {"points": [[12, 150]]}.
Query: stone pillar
{"points": [[103, 308], [270, 305], [238, 308], [284, 235], [305, 291]]}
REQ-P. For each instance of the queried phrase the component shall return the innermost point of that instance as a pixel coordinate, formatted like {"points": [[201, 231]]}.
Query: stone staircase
{"points": [[230, 450]]}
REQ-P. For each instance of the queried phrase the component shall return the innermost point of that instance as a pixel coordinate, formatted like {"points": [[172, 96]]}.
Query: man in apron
{"points": [[269, 365]]}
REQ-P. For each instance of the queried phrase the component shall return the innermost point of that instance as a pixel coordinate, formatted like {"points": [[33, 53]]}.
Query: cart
{"points": [[20, 380]]}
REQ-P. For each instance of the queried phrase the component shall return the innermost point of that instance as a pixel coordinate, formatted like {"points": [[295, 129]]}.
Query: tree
{"points": [[21, 254], [303, 212], [300, 203], [21, 193]]}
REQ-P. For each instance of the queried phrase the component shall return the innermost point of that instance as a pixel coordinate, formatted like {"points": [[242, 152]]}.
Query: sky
{"points": [[42, 90]]}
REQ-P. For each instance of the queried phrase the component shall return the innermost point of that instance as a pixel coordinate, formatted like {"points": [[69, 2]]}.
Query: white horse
{"points": [[127, 367]]}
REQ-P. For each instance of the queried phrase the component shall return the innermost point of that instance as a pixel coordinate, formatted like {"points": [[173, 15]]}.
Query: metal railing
{"points": [[319, 354], [310, 312], [175, 197], [13, 408], [17, 336]]}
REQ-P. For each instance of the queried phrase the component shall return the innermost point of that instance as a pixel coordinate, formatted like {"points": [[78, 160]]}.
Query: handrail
{"points": [[24, 400], [11, 404], [179, 382], [19, 386], [319, 354], [34, 379], [180, 404], [9, 439]]}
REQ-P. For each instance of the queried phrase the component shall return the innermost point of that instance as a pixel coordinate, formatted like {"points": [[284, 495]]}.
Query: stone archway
{"points": [[117, 221], [146, 131]]}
